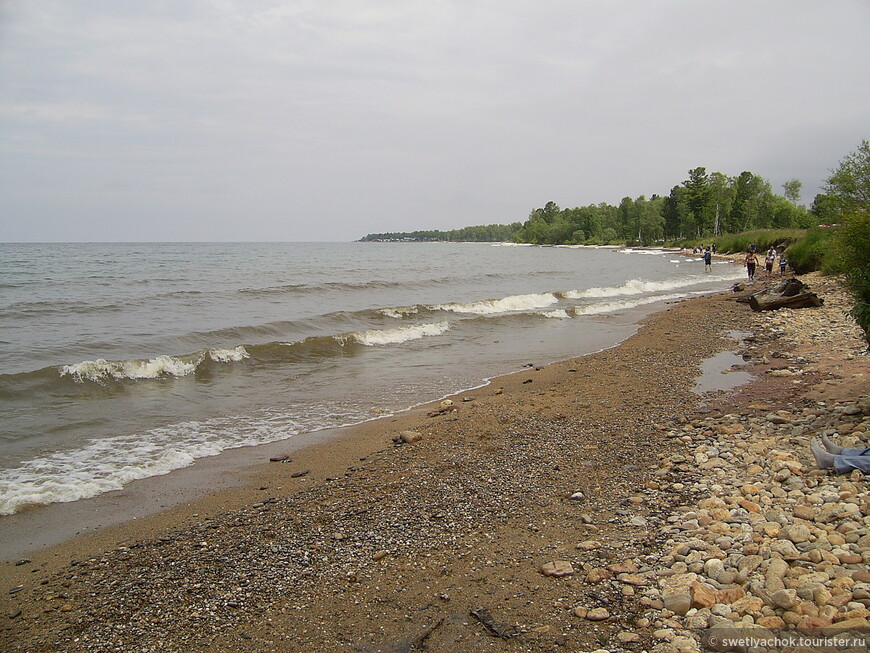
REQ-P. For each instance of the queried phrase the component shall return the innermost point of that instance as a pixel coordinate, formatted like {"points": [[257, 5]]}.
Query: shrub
{"points": [[762, 238], [854, 253], [808, 254]]}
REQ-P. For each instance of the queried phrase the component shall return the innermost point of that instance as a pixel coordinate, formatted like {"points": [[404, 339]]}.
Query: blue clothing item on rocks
{"points": [[850, 459]]}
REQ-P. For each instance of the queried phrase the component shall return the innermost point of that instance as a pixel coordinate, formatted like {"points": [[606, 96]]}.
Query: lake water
{"points": [[124, 361]]}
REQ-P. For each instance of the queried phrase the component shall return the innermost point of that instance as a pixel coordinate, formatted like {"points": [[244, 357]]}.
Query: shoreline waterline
{"points": [[40, 527]]}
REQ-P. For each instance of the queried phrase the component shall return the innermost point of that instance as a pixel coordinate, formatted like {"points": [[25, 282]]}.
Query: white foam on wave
{"points": [[106, 464], [399, 312], [376, 337], [161, 366], [103, 370], [653, 252], [558, 314], [504, 305], [612, 307], [233, 355], [640, 287]]}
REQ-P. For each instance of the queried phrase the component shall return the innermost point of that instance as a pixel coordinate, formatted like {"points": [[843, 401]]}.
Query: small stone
{"points": [[380, 555], [589, 545], [776, 571], [598, 614], [301, 472], [678, 602], [597, 575], [410, 437], [851, 559], [626, 637], [805, 512], [812, 625], [771, 623], [797, 533], [703, 596], [557, 569], [748, 605], [623, 567], [857, 625], [633, 579], [785, 598]]}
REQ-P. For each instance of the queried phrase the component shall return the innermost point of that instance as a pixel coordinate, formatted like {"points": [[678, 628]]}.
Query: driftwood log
{"points": [[791, 293]]}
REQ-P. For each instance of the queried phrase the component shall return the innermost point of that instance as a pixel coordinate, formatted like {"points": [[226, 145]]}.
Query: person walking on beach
{"points": [[768, 261], [751, 262], [783, 263], [842, 460], [708, 260]]}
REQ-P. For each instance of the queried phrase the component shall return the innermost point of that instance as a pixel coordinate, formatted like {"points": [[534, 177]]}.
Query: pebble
{"points": [[410, 437], [557, 569], [598, 614]]}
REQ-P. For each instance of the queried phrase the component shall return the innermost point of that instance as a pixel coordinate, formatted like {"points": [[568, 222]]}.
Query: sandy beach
{"points": [[359, 541]]}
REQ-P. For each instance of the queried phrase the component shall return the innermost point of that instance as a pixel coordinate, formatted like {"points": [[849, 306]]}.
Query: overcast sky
{"points": [[166, 120]]}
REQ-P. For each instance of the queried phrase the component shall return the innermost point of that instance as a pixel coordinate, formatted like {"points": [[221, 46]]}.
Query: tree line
{"points": [[703, 206], [490, 233]]}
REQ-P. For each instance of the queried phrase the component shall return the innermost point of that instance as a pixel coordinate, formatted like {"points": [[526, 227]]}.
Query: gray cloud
{"points": [[256, 120]]}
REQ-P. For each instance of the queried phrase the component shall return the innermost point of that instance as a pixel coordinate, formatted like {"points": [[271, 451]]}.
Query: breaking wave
{"points": [[640, 287], [612, 307], [399, 312], [558, 314], [106, 464], [161, 366], [504, 305], [375, 337]]}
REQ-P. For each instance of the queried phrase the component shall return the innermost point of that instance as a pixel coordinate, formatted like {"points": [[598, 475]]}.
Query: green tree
{"points": [[848, 188], [849, 184], [792, 190], [750, 199], [721, 199], [674, 212], [784, 214], [699, 198]]}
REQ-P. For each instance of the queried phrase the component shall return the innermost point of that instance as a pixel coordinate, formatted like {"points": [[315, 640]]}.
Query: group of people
{"points": [[751, 261]]}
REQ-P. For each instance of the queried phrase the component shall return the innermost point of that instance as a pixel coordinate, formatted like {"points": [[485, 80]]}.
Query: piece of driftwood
{"points": [[498, 629], [791, 293]]}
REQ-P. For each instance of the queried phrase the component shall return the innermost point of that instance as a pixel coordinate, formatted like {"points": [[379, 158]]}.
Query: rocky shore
{"points": [[596, 504]]}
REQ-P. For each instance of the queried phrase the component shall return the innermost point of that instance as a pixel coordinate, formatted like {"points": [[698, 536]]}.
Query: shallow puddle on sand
{"points": [[720, 371]]}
